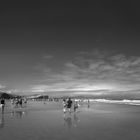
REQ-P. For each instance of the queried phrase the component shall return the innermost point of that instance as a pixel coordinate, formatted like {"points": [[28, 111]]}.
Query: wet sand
{"points": [[101, 121]]}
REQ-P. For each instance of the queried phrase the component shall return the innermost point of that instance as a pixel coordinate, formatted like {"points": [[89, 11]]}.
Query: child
{"points": [[76, 105]]}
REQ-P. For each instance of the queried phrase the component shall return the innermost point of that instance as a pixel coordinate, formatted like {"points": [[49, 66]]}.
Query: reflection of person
{"points": [[69, 104], [18, 114], [68, 121], [2, 121], [76, 120], [2, 104]]}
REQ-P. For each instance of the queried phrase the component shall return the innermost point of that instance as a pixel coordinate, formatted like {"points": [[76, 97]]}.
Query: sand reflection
{"points": [[71, 120], [1, 121], [18, 114]]}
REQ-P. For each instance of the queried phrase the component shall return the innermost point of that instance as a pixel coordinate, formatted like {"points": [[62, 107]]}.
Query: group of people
{"points": [[17, 102], [67, 105]]}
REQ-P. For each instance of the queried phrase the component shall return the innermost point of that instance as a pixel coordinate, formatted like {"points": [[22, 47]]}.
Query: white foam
{"points": [[124, 101]]}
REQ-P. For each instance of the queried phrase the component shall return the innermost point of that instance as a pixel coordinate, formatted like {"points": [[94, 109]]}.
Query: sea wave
{"points": [[124, 101]]}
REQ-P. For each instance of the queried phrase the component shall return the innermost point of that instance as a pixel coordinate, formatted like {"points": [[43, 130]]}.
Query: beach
{"points": [[99, 121]]}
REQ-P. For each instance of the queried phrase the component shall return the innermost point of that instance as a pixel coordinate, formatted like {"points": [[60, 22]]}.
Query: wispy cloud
{"points": [[2, 86], [47, 56], [43, 65], [95, 71]]}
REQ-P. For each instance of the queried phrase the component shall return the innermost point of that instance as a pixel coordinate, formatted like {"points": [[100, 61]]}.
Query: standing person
{"points": [[2, 102], [64, 105], [25, 100], [88, 103], [69, 104], [76, 105], [16, 102], [20, 102]]}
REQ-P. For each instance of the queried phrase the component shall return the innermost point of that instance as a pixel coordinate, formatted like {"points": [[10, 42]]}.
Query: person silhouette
{"points": [[64, 105], [69, 105], [76, 105], [2, 104], [88, 103]]}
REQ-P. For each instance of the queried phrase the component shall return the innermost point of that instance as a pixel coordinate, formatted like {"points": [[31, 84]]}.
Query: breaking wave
{"points": [[124, 101]]}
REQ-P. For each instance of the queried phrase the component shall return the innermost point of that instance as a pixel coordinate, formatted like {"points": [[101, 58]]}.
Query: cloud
{"points": [[92, 71], [110, 67], [43, 66], [2, 86], [47, 56]]}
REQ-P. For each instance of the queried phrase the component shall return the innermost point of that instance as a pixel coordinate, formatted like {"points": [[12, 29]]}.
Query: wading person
{"points": [[64, 105], [69, 105], [76, 105], [20, 102], [2, 104]]}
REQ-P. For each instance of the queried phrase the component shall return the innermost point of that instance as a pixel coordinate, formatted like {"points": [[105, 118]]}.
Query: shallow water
{"points": [[39, 121]]}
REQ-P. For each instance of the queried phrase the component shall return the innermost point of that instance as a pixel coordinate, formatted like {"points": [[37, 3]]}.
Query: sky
{"points": [[70, 46]]}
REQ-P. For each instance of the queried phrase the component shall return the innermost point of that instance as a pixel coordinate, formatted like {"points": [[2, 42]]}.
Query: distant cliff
{"points": [[6, 95]]}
